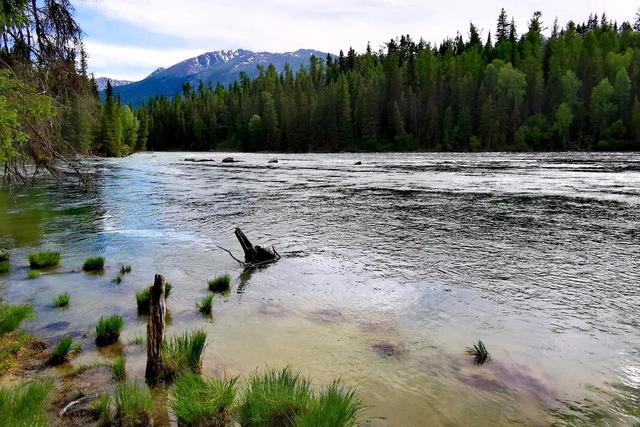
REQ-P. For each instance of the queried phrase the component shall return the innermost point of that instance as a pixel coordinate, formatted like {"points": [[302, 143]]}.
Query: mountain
{"points": [[222, 66], [101, 82]]}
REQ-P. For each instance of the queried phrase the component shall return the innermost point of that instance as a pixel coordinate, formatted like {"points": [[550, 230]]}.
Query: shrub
{"points": [[133, 404], [62, 300], [60, 352], [11, 316], [33, 274], [197, 401], [93, 264], [119, 368], [108, 330], [184, 352], [205, 305], [143, 297], [23, 404], [44, 259], [102, 409], [220, 283], [4, 267], [275, 397], [479, 353], [335, 406]]}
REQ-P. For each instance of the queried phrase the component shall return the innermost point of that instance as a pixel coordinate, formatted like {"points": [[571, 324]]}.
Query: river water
{"points": [[537, 255]]}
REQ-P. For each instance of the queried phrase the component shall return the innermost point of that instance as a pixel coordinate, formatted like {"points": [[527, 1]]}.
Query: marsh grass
{"points": [[205, 305], [143, 297], [12, 316], [44, 259], [335, 405], [108, 330], [62, 300], [132, 404], [184, 352], [33, 274], [117, 280], [60, 352], [22, 404], [220, 283], [125, 269], [102, 409], [137, 339], [479, 353], [119, 369], [95, 263], [4, 255], [4, 267], [197, 401]]}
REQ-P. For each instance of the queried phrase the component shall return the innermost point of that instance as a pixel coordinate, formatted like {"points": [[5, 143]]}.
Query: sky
{"points": [[128, 39]]}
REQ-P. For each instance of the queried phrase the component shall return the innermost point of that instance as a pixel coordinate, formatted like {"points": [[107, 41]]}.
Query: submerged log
{"points": [[255, 254], [155, 331]]}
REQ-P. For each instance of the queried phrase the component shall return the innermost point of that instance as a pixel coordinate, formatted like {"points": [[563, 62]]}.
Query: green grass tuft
{"points": [[133, 404], [117, 280], [137, 339], [119, 369], [197, 401], [60, 352], [220, 283], [44, 259], [22, 404], [33, 274], [125, 269], [102, 409], [12, 316], [95, 263], [4, 255], [62, 300], [143, 297], [184, 352], [205, 305], [336, 405], [4, 267], [479, 353], [108, 330]]}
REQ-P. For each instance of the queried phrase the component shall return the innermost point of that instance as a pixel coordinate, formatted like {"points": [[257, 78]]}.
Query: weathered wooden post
{"points": [[155, 331]]}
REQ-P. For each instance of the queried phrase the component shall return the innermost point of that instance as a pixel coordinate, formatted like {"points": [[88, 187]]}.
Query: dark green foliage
{"points": [[117, 280], [458, 96], [143, 297], [197, 401], [62, 300], [205, 305], [132, 404], [220, 283], [11, 316], [479, 353], [93, 264], [4, 255], [119, 369], [4, 267], [61, 351], [44, 259], [125, 269], [184, 352], [108, 330], [23, 404]]}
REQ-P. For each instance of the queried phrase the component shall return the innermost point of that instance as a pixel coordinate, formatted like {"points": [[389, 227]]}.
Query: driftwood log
{"points": [[253, 255], [155, 331]]}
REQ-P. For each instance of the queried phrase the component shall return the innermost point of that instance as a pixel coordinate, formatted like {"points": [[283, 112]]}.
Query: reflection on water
{"points": [[390, 270]]}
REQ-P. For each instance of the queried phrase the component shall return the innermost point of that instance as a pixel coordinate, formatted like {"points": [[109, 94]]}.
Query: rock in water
{"points": [[273, 161], [228, 160], [357, 163]]}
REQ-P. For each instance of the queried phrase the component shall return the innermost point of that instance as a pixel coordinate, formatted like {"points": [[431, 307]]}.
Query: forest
{"points": [[577, 89]]}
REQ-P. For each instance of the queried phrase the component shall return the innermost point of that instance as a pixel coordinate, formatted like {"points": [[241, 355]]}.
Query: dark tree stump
{"points": [[155, 331], [255, 254]]}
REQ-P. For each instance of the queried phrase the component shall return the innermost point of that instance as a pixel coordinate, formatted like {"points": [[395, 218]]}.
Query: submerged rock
{"points": [[273, 161], [357, 163], [229, 160], [189, 159], [388, 348]]}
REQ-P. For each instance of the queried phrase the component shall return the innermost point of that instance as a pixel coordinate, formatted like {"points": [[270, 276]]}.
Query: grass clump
{"points": [[62, 300], [479, 353], [95, 263], [4, 255], [4, 267], [197, 401], [143, 297], [23, 404], [336, 405], [184, 352], [44, 259], [61, 351], [125, 269], [12, 316], [132, 404], [108, 330], [102, 409], [33, 274], [117, 280], [205, 305], [119, 369], [220, 283], [137, 339]]}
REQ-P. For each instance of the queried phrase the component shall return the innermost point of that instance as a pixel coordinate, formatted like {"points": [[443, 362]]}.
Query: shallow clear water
{"points": [[537, 255]]}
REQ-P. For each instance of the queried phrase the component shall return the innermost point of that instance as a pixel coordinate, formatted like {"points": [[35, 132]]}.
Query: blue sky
{"points": [[128, 39]]}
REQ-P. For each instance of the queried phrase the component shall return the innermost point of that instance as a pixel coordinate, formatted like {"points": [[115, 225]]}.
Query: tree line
{"points": [[577, 89]]}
